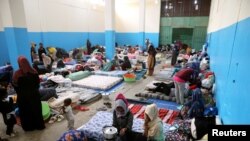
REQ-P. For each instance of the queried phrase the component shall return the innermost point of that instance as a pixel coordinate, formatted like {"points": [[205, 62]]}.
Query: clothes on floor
{"points": [[73, 135], [163, 88], [26, 83]]}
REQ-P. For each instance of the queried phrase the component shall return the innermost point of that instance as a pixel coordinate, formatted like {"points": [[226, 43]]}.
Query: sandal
{"points": [[60, 118], [52, 119]]}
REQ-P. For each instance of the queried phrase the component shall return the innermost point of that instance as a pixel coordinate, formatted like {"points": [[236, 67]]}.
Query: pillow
{"points": [[78, 75]]}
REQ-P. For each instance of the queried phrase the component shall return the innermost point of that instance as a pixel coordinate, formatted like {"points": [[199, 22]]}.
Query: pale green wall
{"points": [[199, 25]]}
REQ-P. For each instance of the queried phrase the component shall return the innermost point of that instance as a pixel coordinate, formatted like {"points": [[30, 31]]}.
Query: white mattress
{"points": [[57, 103], [97, 82]]}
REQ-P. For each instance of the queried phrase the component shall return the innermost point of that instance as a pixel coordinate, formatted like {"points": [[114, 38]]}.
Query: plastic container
{"points": [[129, 77]]}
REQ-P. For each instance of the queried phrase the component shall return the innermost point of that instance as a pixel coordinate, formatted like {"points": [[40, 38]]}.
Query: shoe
{"points": [[60, 118], [180, 107], [12, 135], [52, 119]]}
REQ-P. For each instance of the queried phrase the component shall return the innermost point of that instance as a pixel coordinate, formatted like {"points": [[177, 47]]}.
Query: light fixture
{"points": [[166, 7], [195, 1], [156, 1]]}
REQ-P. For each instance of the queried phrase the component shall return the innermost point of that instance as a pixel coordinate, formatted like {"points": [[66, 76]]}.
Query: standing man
{"points": [[41, 50], [33, 51]]}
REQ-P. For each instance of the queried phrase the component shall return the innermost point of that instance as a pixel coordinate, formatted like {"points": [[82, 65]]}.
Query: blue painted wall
{"points": [[136, 38], [67, 40], [4, 53], [229, 51]]}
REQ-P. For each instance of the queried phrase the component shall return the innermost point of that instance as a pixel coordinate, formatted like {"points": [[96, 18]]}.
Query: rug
{"points": [[167, 115]]}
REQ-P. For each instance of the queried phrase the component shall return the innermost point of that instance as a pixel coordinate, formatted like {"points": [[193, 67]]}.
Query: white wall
{"points": [[17, 13], [127, 16], [63, 16], [152, 16], [5, 13], [1, 25], [231, 11]]}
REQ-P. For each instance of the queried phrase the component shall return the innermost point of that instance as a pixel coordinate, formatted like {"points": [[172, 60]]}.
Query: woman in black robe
{"points": [[26, 83]]}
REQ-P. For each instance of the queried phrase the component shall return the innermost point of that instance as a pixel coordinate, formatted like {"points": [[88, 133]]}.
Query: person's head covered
{"points": [[121, 105], [151, 112]]}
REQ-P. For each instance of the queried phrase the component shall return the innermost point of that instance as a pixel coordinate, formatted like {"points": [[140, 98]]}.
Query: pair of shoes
{"points": [[12, 135], [52, 119], [103, 108], [56, 118], [60, 118]]}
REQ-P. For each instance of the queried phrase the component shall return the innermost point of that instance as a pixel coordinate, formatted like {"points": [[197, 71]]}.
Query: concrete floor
{"points": [[55, 130]]}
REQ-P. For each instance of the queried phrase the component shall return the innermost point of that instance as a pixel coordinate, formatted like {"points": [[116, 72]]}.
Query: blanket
{"points": [[93, 128], [167, 116]]}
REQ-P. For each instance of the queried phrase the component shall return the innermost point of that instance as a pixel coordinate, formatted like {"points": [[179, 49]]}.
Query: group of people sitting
{"points": [[123, 121]]}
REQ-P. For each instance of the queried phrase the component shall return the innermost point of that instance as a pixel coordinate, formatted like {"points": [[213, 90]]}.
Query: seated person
{"points": [[47, 62], [117, 64], [122, 118], [126, 64], [153, 126]]}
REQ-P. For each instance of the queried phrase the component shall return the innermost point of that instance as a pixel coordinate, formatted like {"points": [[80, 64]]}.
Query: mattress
{"points": [[116, 73], [57, 103], [97, 82], [165, 75], [93, 128]]}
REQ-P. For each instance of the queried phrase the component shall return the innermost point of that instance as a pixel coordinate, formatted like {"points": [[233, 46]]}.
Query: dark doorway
{"points": [[183, 34]]}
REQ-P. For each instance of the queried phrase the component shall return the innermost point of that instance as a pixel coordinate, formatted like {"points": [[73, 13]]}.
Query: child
{"points": [[153, 127], [67, 109], [7, 110]]}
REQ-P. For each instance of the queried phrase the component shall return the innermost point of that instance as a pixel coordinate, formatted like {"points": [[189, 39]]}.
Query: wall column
{"points": [[15, 31], [110, 28], [142, 11]]}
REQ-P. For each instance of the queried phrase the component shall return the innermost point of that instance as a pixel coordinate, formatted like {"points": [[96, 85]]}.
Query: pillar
{"points": [[15, 31], [110, 28], [142, 7]]}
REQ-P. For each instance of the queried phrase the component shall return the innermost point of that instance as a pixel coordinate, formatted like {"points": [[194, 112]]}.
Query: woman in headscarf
{"points": [[26, 83], [122, 118], [151, 59], [153, 126], [126, 64]]}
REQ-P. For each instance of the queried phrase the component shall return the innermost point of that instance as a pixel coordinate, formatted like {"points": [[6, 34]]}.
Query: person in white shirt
{"points": [[46, 62], [67, 109]]}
